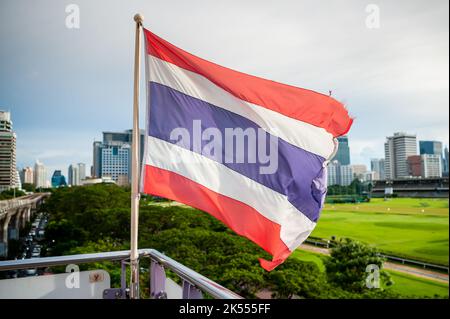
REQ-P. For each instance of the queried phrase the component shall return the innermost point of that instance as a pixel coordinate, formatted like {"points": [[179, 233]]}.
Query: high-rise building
{"points": [[377, 166], [431, 165], [40, 175], [343, 153], [7, 152], [333, 173], [370, 176], [434, 148], [347, 176], [112, 157], [18, 182], [397, 149], [415, 165], [359, 170], [58, 180], [82, 171], [446, 167], [338, 174], [26, 175], [116, 163], [97, 159], [430, 147], [73, 175]]}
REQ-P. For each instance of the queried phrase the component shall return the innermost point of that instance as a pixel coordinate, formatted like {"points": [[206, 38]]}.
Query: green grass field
{"points": [[404, 284], [409, 227]]}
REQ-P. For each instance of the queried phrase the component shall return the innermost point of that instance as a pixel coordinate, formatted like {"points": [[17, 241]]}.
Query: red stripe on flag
{"points": [[301, 104], [243, 219]]}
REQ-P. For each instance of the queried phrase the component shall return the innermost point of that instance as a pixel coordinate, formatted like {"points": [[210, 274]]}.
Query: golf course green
{"points": [[409, 227]]}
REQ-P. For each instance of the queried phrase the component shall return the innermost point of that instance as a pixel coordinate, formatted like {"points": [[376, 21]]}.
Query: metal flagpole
{"points": [[134, 256]]}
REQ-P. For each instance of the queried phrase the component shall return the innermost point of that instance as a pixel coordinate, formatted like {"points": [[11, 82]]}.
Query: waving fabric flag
{"points": [[249, 151]]}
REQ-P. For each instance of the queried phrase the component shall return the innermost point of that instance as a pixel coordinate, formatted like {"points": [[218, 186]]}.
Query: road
{"points": [[413, 271]]}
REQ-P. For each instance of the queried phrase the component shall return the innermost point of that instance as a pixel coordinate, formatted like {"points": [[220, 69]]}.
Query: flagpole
{"points": [[134, 256]]}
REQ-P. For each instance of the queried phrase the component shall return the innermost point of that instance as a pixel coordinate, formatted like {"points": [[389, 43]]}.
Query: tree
{"points": [[295, 278], [11, 193], [28, 187], [347, 266]]}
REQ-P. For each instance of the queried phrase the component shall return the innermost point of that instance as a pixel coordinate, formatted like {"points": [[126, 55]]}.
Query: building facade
{"points": [[446, 167], [40, 175], [377, 166], [82, 171], [112, 156], [58, 180], [116, 163], [338, 174], [397, 149], [73, 175], [415, 165], [431, 165], [8, 173], [430, 147], [359, 171], [343, 153], [26, 175]]}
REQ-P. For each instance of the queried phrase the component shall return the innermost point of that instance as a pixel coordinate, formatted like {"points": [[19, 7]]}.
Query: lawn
{"points": [[413, 228], [404, 284], [409, 285], [304, 255]]}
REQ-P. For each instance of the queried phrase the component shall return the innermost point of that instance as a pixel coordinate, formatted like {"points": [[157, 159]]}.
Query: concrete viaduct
{"points": [[14, 214]]}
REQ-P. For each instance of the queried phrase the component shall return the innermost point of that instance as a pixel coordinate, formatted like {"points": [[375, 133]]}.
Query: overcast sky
{"points": [[65, 86]]}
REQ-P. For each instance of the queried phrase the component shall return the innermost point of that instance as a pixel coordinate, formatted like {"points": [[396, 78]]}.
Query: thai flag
{"points": [[249, 151]]}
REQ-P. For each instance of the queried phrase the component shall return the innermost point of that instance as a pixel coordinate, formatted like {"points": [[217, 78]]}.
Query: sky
{"points": [[65, 86]]}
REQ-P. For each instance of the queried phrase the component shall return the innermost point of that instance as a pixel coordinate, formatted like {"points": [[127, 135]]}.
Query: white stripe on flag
{"points": [[304, 135], [295, 227]]}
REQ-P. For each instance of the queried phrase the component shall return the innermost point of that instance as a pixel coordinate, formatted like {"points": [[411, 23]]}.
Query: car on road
{"points": [[31, 272]]}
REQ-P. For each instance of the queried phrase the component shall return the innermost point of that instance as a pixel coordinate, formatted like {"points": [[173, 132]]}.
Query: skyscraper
{"points": [[58, 180], [82, 171], [40, 175], [446, 162], [431, 165], [26, 175], [430, 147], [7, 152], [116, 163], [377, 166], [359, 171], [18, 182], [73, 175], [397, 149], [112, 157], [343, 153], [339, 174], [433, 148], [97, 159]]}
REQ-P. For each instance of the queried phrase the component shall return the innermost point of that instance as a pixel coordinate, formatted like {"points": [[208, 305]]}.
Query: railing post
{"points": [[157, 281], [123, 274], [190, 291]]}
